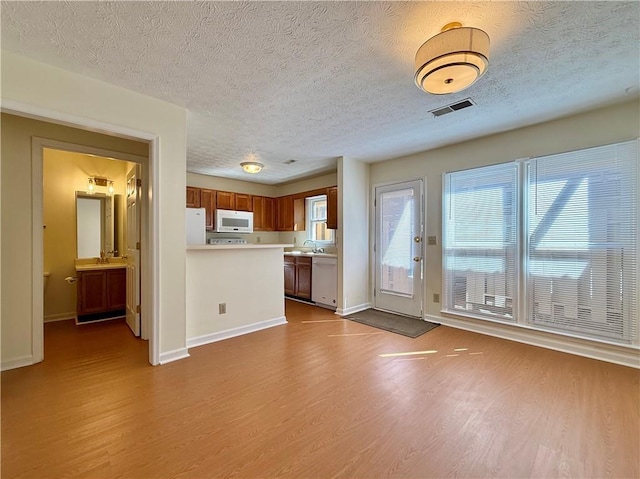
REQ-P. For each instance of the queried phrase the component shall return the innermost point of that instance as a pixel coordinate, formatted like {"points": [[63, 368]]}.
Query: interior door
{"points": [[133, 249], [399, 248]]}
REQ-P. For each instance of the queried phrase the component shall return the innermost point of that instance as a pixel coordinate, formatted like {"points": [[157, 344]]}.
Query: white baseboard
{"points": [[353, 309], [174, 355], [59, 317], [233, 332], [625, 356], [17, 362]]}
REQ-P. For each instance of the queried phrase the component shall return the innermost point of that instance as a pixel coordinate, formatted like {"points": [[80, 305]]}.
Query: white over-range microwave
{"points": [[228, 221]]}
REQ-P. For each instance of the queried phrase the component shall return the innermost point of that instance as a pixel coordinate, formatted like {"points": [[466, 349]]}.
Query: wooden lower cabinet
{"points": [[289, 275], [303, 277], [297, 276], [102, 294]]}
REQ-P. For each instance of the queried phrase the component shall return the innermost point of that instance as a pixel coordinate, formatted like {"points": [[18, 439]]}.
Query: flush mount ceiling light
{"points": [[251, 166], [452, 60]]}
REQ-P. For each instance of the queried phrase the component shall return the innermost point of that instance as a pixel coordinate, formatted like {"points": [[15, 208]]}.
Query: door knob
{"points": [[417, 239], [417, 259]]}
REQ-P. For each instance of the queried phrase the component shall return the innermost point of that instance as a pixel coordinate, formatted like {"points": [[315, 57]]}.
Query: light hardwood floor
{"points": [[314, 399]]}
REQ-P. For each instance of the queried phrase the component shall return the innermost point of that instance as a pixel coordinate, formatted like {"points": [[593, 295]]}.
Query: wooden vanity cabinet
{"points": [[102, 294]]}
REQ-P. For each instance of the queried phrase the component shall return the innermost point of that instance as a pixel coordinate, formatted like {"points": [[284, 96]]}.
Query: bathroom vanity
{"points": [[102, 291]]}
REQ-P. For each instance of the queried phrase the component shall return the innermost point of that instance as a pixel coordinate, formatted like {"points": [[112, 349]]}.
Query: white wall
{"points": [[78, 99], [608, 125], [249, 281], [353, 236]]}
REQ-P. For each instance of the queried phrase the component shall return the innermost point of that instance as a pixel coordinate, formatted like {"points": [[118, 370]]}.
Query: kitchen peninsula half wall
{"points": [[233, 290]]}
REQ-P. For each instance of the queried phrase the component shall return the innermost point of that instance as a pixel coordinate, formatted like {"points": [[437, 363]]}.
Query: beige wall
{"points": [[310, 184], [599, 127], [53, 92], [64, 173]]}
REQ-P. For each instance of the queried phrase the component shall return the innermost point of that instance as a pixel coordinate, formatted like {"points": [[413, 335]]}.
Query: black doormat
{"points": [[411, 327]]}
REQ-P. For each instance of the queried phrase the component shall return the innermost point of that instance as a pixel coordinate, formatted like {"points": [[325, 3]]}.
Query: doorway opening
{"points": [[65, 175]]}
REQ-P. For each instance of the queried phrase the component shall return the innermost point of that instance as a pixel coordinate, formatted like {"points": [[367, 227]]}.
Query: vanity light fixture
{"points": [[452, 60], [97, 181], [251, 166]]}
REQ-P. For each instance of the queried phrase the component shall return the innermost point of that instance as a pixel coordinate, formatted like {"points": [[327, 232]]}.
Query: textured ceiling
{"points": [[313, 81]]}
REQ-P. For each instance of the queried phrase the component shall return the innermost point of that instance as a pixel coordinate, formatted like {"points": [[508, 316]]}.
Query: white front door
{"points": [[399, 248], [133, 249]]}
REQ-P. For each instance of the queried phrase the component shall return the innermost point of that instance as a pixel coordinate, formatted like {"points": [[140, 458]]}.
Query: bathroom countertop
{"points": [[94, 266]]}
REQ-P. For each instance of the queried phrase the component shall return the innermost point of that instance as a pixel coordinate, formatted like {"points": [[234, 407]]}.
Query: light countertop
{"points": [[94, 266], [310, 253], [206, 247]]}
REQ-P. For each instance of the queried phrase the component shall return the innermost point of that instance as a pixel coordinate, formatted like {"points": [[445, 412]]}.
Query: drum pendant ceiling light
{"points": [[452, 60]]}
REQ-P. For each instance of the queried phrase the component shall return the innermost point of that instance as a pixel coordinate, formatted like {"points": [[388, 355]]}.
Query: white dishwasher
{"points": [[324, 281]]}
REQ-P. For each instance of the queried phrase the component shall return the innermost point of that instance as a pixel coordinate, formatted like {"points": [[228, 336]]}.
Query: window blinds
{"points": [[582, 242], [578, 230], [480, 244]]}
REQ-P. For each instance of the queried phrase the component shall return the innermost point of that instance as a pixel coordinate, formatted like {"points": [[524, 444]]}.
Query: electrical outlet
{"points": [[432, 240], [222, 308], [436, 297]]}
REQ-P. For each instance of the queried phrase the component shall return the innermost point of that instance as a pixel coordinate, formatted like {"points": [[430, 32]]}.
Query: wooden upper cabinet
{"points": [[225, 200], [298, 215], [258, 211], [243, 202], [269, 215], [332, 208], [208, 202], [284, 213], [193, 197]]}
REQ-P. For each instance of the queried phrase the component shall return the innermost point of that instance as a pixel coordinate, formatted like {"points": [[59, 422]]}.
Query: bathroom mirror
{"points": [[95, 220]]}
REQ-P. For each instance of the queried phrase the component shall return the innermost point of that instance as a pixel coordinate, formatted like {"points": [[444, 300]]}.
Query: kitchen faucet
{"points": [[315, 247]]}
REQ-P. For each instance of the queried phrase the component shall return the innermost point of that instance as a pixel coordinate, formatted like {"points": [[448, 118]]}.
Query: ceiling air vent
{"points": [[466, 103]]}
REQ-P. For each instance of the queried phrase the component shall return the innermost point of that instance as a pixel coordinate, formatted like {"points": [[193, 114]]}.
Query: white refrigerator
{"points": [[196, 226]]}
